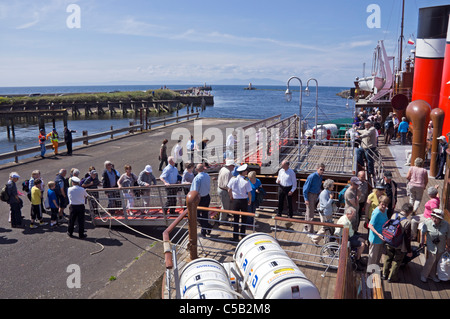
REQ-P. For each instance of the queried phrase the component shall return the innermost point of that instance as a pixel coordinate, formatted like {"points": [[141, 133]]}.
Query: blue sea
{"points": [[230, 101]]}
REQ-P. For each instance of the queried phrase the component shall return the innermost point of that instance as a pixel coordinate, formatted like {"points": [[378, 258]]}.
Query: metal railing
{"points": [[184, 243], [85, 139], [143, 205]]}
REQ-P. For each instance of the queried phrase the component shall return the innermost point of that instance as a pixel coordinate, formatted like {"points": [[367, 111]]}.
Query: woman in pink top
{"points": [[418, 180], [433, 203]]}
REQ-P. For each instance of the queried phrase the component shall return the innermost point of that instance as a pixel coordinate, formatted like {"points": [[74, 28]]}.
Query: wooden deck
{"points": [[409, 285]]}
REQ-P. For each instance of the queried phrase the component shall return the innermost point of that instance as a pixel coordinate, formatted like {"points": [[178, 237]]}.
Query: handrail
{"points": [[341, 278], [36, 149], [169, 119], [166, 239]]}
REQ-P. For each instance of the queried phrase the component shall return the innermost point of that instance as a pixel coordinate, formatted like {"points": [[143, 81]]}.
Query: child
{"points": [[403, 130], [36, 200], [53, 203]]}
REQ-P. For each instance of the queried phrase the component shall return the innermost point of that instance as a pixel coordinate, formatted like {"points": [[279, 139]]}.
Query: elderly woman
{"points": [[433, 203], [73, 172], [418, 180], [325, 209], [437, 233], [128, 179], [379, 217]]}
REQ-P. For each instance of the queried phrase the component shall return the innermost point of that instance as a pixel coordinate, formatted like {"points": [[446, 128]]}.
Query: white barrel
{"points": [[205, 278], [325, 131], [268, 272]]}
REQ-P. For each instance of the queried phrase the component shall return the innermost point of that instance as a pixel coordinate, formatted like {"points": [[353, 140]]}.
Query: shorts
{"points": [[354, 241], [62, 201]]}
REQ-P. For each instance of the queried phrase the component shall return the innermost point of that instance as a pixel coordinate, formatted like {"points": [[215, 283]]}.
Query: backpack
{"points": [[341, 196], [388, 124], [26, 186], [392, 231], [4, 196]]}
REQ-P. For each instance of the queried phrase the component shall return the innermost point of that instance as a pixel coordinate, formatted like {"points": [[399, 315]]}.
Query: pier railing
{"points": [[182, 244], [85, 139]]}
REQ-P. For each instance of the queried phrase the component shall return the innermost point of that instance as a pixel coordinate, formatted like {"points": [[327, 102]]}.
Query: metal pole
{"points": [[317, 103], [299, 115], [192, 200]]}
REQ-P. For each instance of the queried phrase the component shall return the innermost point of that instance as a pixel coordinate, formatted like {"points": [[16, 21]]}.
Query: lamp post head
{"points": [[288, 95], [307, 91]]}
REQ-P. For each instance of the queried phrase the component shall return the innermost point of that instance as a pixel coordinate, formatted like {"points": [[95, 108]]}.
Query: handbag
{"points": [[443, 269], [46, 203]]}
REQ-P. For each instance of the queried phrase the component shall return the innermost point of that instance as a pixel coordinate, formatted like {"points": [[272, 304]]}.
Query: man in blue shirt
{"points": [[169, 177], [403, 130], [202, 184], [311, 191]]}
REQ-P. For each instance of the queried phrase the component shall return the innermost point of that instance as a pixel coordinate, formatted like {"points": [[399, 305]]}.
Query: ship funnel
{"points": [[430, 51], [444, 101]]}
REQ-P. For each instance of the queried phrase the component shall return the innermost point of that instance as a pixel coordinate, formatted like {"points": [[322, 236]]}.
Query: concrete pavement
{"points": [[110, 263]]}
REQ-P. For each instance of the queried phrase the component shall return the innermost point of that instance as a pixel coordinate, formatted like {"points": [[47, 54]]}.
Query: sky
{"points": [[86, 42]]}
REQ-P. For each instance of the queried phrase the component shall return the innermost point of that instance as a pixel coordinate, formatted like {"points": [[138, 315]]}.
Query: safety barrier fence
{"points": [[86, 138], [181, 243], [142, 205]]}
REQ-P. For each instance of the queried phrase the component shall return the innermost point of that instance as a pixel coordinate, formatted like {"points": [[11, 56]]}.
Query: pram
{"points": [[416, 251]]}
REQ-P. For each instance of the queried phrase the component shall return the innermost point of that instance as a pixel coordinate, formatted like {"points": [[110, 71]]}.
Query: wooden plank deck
{"points": [[409, 285]]}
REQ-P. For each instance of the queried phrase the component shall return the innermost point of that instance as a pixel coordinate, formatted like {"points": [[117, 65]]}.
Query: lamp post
{"points": [[288, 95], [317, 102]]}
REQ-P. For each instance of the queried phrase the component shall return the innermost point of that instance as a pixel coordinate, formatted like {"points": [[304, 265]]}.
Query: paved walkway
{"points": [[37, 263]]}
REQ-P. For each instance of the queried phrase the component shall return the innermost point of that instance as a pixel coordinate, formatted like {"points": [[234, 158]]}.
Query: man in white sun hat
{"points": [[146, 179], [436, 236]]}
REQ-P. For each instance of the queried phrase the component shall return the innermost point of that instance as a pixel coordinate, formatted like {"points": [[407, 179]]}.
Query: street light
{"points": [[288, 95]]}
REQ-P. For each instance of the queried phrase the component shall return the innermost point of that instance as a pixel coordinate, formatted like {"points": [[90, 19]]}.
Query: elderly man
{"points": [[225, 174], [351, 196], [356, 242], [288, 184], [311, 191], [169, 177], [77, 196], [146, 179], [369, 145], [240, 191], [15, 203], [62, 185], [202, 184]]}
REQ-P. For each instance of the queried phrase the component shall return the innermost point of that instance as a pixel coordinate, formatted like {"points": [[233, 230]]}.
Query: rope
{"points": [[112, 217]]}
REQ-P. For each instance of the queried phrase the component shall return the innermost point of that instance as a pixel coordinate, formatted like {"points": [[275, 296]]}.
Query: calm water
{"points": [[230, 101]]}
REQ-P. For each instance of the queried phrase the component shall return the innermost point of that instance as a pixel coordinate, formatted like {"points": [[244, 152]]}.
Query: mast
{"points": [[401, 39]]}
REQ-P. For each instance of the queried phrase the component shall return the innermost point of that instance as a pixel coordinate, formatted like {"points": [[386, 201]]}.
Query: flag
{"points": [[410, 41]]}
